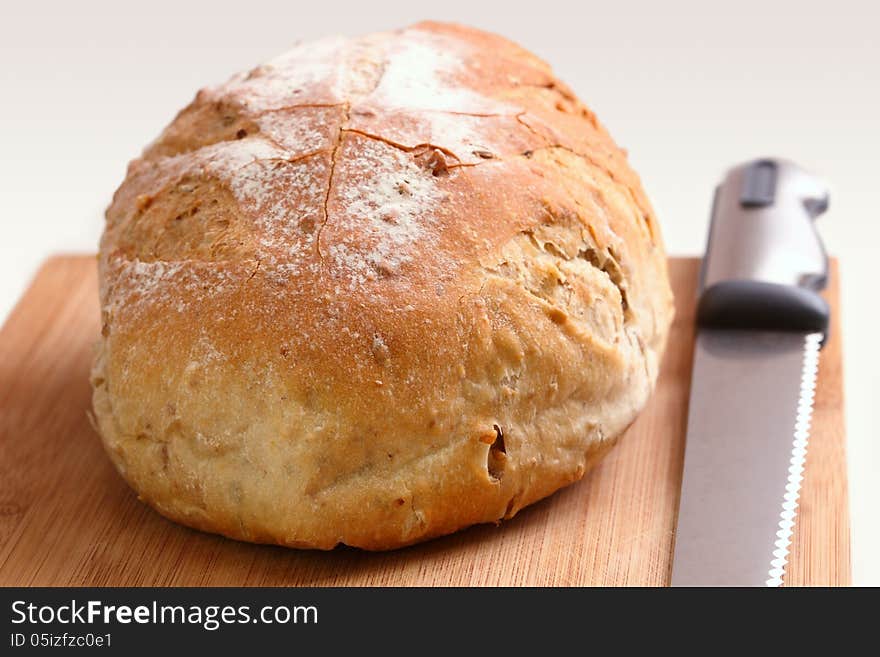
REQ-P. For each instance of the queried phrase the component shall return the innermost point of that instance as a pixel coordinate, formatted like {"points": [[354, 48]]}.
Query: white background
{"points": [[688, 87]]}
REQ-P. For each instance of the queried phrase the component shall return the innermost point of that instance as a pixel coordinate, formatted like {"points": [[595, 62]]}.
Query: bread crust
{"points": [[375, 291]]}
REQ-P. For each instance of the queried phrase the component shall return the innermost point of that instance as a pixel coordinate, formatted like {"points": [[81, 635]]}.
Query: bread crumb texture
{"points": [[374, 291]]}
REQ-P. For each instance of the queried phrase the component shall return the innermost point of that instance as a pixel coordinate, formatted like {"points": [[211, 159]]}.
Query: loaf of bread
{"points": [[374, 291]]}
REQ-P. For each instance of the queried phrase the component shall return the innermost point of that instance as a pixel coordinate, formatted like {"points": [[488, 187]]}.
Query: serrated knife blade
{"points": [[761, 327], [749, 418]]}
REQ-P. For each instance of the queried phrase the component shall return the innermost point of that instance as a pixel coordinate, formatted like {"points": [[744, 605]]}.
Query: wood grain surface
{"points": [[66, 517]]}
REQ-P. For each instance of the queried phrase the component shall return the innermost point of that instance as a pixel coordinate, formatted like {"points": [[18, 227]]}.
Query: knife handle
{"points": [[765, 263]]}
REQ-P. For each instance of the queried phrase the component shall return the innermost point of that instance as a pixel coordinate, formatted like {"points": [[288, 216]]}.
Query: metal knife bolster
{"points": [[761, 321], [764, 262]]}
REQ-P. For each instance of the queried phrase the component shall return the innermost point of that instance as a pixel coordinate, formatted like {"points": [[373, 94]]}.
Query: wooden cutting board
{"points": [[66, 517]]}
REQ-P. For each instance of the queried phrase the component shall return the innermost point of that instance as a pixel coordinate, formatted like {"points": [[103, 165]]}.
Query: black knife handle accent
{"points": [[765, 263], [765, 306]]}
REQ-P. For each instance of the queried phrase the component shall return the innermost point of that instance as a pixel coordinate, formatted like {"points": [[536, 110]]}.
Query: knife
{"points": [[760, 325]]}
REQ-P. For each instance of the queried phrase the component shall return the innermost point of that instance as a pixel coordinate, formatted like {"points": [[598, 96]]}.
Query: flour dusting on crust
{"points": [[387, 205], [304, 74], [296, 132], [284, 198], [421, 76], [138, 285]]}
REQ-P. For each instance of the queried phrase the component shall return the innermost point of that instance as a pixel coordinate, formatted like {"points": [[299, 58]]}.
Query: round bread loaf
{"points": [[374, 291]]}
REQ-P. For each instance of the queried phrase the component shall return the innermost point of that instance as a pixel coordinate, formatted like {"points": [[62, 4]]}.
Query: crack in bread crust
{"points": [[333, 155]]}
